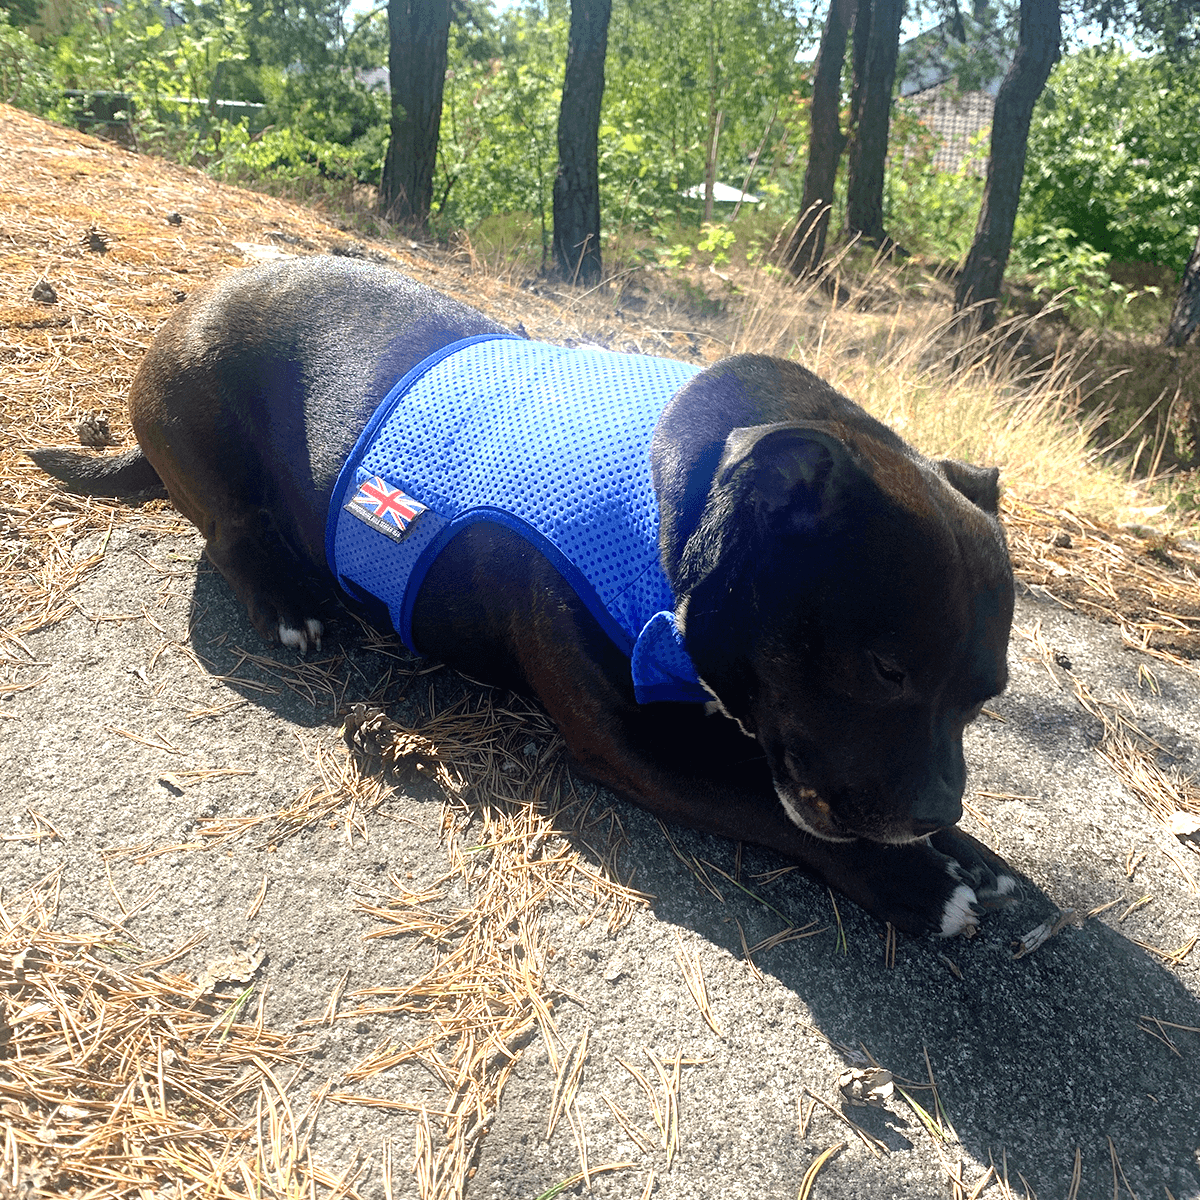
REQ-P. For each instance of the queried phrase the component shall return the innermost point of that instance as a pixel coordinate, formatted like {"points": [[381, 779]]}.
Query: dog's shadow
{"points": [[308, 690], [1034, 1056]]}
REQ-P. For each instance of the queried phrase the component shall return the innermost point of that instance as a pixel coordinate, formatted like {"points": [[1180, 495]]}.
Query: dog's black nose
{"points": [[937, 798], [936, 812], [936, 808]]}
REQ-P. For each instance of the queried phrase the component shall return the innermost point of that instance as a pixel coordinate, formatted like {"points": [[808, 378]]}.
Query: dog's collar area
{"points": [[661, 667]]}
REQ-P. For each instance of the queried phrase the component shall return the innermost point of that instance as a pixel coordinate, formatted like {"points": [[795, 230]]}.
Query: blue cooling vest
{"points": [[550, 442]]}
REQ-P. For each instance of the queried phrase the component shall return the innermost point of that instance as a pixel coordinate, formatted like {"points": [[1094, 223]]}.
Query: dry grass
{"points": [[129, 1081], [1012, 397], [518, 838], [64, 360], [1139, 762], [1148, 586]]}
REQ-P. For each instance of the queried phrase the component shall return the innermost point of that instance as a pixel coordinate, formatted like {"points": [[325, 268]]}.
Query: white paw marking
{"points": [[293, 637], [1005, 886], [958, 916], [298, 639]]}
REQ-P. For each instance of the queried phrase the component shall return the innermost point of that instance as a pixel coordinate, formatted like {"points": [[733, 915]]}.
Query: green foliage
{"points": [[327, 104], [498, 150], [682, 242], [1064, 268], [1169, 26], [668, 62], [972, 46], [285, 156], [928, 211], [1112, 157], [309, 78], [503, 87], [20, 13], [1112, 174], [636, 183], [25, 78], [717, 241], [1074, 274], [176, 62], [675, 254]]}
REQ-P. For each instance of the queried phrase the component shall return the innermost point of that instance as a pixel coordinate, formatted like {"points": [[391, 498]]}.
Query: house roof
{"points": [[937, 55]]}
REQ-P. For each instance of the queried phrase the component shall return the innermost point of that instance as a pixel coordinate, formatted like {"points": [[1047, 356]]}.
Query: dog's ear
{"points": [[773, 483], [980, 485], [789, 468]]}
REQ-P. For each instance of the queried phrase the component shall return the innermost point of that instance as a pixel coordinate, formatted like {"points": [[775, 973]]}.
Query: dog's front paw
{"points": [[940, 885], [985, 880]]}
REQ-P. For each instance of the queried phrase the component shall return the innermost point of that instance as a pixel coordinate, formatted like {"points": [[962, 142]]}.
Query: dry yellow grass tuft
{"points": [[129, 1081], [1011, 397]]}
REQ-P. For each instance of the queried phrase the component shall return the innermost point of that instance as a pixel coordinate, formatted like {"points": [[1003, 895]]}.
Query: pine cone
{"points": [[93, 430]]}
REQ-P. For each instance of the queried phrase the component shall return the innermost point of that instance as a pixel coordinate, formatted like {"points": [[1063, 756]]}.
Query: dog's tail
{"points": [[127, 474]]}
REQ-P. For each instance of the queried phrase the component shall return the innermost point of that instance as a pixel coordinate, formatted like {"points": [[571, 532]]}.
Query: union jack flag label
{"points": [[385, 508]]}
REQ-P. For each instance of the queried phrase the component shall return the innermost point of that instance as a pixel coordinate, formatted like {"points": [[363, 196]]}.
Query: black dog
{"points": [[842, 602]]}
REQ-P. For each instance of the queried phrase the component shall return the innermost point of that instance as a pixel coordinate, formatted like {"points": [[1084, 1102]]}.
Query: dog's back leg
{"points": [[200, 421], [266, 577]]}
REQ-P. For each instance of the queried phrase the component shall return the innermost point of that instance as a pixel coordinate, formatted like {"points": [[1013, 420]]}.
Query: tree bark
{"points": [[710, 161], [577, 184], [1185, 316], [418, 33], [868, 145], [1037, 51], [806, 247], [858, 60]]}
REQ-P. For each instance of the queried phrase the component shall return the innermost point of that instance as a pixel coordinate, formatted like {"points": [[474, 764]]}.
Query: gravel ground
{"points": [[1033, 1057]]}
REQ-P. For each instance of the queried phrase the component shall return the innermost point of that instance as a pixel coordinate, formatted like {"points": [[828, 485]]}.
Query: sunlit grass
{"points": [[1011, 398], [1031, 396]]}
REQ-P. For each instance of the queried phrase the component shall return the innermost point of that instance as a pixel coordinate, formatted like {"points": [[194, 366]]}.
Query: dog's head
{"points": [[848, 602]]}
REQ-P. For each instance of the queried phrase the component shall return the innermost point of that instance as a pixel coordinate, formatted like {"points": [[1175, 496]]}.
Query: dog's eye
{"points": [[888, 670]]}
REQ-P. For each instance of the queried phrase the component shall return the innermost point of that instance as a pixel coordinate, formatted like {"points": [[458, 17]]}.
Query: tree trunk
{"points": [[806, 246], [715, 115], [868, 147], [577, 184], [859, 44], [418, 32], [1185, 316], [710, 161], [1037, 51]]}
